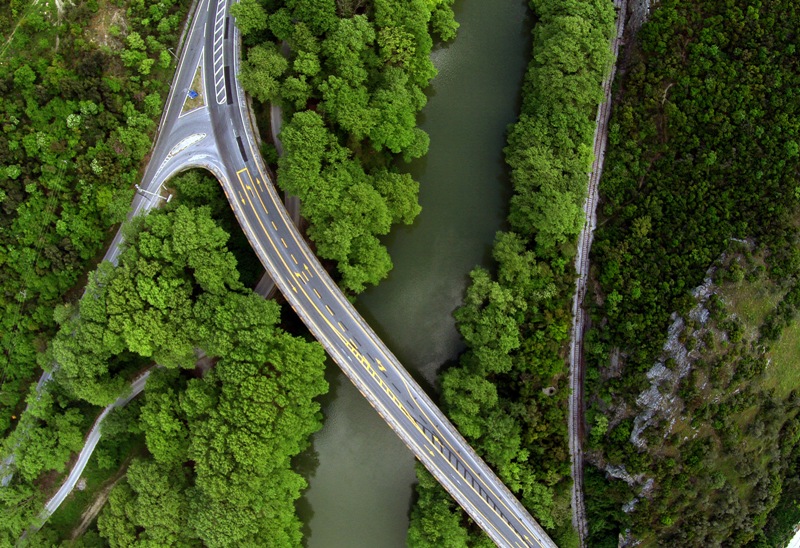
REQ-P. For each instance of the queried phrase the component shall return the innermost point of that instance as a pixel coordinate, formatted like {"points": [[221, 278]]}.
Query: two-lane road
{"points": [[333, 320], [219, 137]]}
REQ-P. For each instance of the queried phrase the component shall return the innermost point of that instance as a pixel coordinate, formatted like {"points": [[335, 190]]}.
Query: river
{"points": [[360, 474]]}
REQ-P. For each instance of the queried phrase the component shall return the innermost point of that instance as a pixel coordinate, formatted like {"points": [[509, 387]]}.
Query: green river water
{"points": [[360, 474]]}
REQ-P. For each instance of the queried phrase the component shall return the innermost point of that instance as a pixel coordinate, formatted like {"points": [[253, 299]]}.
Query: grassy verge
{"points": [[783, 374], [197, 86]]}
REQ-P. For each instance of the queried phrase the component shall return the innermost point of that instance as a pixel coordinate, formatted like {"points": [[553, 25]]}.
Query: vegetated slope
{"points": [[508, 394], [703, 149], [219, 444], [353, 85], [77, 119]]}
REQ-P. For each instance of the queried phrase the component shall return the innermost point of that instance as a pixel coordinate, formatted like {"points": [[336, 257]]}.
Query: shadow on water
{"points": [[307, 462]]}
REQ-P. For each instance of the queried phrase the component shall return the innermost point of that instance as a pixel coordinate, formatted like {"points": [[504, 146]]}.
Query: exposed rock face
{"points": [[627, 539], [630, 506], [638, 12], [660, 400], [660, 405], [621, 473]]}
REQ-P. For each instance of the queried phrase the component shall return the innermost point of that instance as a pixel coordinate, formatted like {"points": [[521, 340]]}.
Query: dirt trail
{"points": [[99, 501], [13, 32], [59, 8], [576, 365]]}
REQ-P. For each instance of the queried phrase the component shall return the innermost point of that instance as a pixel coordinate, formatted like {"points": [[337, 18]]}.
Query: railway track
{"points": [[576, 362]]}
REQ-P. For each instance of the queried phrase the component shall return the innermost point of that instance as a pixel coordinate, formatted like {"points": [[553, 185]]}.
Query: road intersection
{"points": [[220, 138], [347, 338]]}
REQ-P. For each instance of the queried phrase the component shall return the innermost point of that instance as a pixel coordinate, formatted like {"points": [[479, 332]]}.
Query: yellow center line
{"points": [[413, 421], [466, 464], [349, 345], [302, 246], [293, 234], [394, 399]]}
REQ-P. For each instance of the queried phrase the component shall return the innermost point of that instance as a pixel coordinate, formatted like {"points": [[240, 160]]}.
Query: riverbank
{"points": [[361, 491]]}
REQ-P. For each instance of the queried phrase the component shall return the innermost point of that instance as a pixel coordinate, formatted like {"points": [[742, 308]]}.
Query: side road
{"points": [[92, 440], [142, 202], [576, 362], [266, 287], [93, 437]]}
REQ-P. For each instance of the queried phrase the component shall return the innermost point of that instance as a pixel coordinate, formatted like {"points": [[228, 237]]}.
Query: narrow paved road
{"points": [[165, 154], [220, 138], [92, 439], [576, 362], [335, 323]]}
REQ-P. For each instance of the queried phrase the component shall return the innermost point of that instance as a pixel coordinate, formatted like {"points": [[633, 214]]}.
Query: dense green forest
{"points": [[699, 182], [351, 89], [80, 96], [701, 172], [177, 288], [218, 441], [508, 393]]}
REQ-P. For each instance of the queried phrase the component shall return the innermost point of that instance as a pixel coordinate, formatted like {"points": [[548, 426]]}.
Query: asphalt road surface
{"points": [[92, 439], [174, 129], [218, 137], [333, 320]]}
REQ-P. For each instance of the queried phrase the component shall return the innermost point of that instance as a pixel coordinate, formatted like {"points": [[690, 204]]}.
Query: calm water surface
{"points": [[360, 474]]}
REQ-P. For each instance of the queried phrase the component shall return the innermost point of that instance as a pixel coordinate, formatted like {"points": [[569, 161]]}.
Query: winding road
{"points": [[334, 322], [220, 138], [172, 129], [92, 439], [576, 363]]}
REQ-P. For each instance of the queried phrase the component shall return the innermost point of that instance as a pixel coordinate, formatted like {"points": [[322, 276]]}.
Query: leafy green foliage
{"points": [[549, 148], [251, 17], [701, 152], [355, 81], [434, 521], [260, 73], [780, 525], [198, 188], [239, 425], [508, 393], [347, 208], [72, 142], [176, 290], [51, 429], [147, 305]]}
